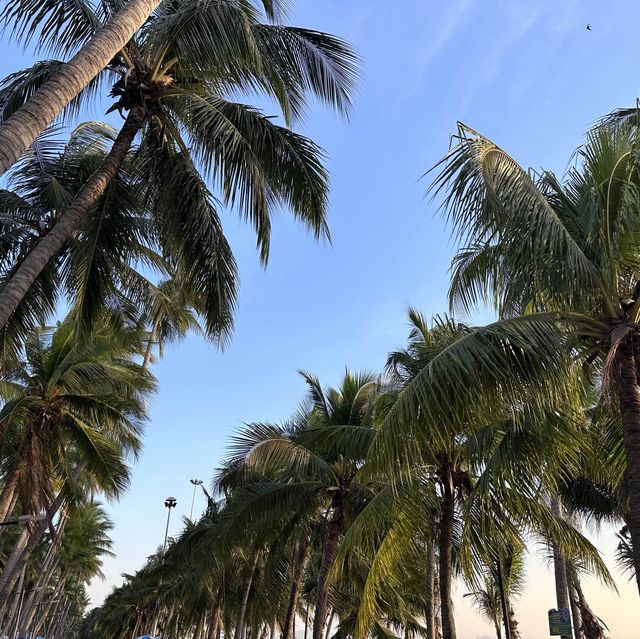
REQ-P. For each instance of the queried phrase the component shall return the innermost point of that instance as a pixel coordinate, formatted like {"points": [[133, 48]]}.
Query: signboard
{"points": [[560, 622]]}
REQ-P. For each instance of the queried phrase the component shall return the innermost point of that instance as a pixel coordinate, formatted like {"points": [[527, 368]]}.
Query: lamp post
{"points": [[196, 483], [169, 502]]}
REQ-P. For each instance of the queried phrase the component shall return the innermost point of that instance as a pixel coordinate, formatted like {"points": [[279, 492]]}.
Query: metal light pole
{"points": [[196, 483], [169, 502]]}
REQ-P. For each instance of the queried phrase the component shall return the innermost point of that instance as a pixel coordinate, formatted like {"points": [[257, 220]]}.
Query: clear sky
{"points": [[526, 73]]}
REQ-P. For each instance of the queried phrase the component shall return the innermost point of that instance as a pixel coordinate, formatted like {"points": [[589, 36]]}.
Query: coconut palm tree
{"points": [[74, 409], [313, 468], [563, 250], [100, 32], [172, 83]]}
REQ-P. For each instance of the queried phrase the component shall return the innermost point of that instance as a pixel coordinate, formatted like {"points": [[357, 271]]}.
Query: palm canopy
{"points": [[565, 250], [175, 80], [71, 404]]}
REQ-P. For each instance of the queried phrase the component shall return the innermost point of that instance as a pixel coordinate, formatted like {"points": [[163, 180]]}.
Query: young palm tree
{"points": [[172, 82], [564, 250]]}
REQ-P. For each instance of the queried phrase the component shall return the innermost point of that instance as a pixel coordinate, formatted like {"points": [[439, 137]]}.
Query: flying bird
{"points": [[588, 27]]}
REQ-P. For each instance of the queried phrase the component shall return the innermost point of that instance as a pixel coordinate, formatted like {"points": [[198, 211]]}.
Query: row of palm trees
{"points": [[327, 522], [122, 228], [357, 514]]}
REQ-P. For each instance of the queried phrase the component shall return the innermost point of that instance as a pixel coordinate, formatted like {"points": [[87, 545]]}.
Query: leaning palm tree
{"points": [[563, 250], [73, 413], [101, 32], [173, 81], [310, 468]]}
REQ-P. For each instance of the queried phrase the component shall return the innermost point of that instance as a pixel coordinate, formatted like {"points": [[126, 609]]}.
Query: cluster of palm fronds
{"points": [[122, 228]]}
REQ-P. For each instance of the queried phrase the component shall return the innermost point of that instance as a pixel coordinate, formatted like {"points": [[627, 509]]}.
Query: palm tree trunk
{"points": [[629, 399], [23, 127], [49, 566], [299, 555], [53, 600], [215, 616], [429, 595], [11, 620], [575, 612], [447, 514], [11, 566], [329, 553], [560, 567], [50, 245], [23, 550], [306, 620], [8, 495], [327, 634], [245, 598], [272, 629]]}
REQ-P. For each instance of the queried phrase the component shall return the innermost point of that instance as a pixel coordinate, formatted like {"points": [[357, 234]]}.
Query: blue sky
{"points": [[525, 73]]}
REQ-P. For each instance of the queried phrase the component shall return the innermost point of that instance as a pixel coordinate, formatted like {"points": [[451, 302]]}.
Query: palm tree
{"points": [[562, 250], [172, 81], [101, 33], [75, 409], [313, 468]]}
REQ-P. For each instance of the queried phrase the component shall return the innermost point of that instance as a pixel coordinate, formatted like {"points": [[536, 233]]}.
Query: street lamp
{"points": [[196, 483], [169, 503]]}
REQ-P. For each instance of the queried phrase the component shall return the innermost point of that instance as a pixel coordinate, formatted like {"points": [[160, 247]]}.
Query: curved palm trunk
{"points": [[560, 567], [629, 399], [576, 616], [296, 576], [328, 557], [214, 618], [8, 495], [18, 597], [592, 627], [12, 567], [245, 598], [22, 551], [50, 245], [429, 595], [23, 127], [447, 513]]}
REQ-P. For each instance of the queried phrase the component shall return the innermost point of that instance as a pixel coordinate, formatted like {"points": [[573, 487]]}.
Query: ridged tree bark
{"points": [[7, 497], [560, 568], [447, 514], [329, 553], [23, 127], [9, 626], [245, 598], [22, 551], [214, 617], [26, 274], [429, 594], [629, 399], [299, 556]]}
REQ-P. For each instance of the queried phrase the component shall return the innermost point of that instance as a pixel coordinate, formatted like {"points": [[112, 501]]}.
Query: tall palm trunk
{"points": [[8, 495], [49, 566], [50, 245], [23, 127], [329, 553], [214, 618], [296, 576], [560, 567], [429, 595], [53, 600], [576, 616], [245, 598], [148, 354], [23, 550], [11, 620], [447, 514], [591, 625], [629, 399], [11, 566]]}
